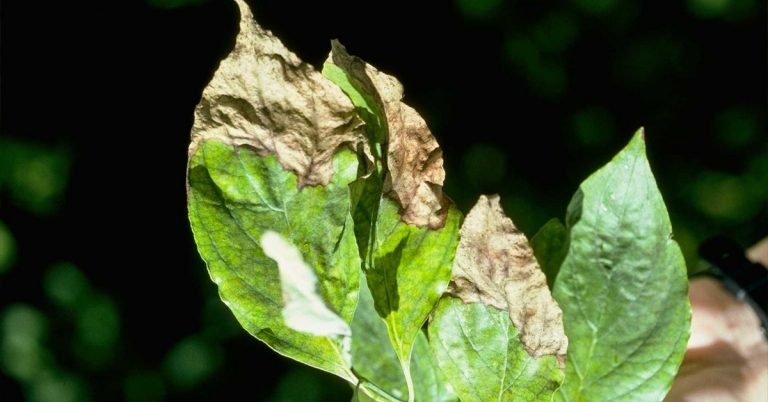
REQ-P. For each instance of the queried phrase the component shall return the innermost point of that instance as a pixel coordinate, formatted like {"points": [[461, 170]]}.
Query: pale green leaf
{"points": [[479, 351], [622, 286]]}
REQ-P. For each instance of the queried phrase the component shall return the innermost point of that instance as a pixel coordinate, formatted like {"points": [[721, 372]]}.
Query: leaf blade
{"points": [[408, 260], [407, 228], [376, 363], [622, 267], [478, 349], [235, 196]]}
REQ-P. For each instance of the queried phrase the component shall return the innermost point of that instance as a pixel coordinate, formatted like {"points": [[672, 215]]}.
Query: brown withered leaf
{"points": [[263, 96], [495, 266], [414, 158]]}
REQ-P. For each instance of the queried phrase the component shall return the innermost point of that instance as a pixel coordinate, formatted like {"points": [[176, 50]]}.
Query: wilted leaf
{"points": [[414, 159], [496, 266], [622, 286], [264, 97], [479, 351], [268, 154]]}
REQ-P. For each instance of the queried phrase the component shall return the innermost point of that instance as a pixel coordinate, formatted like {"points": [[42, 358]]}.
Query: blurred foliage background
{"points": [[102, 294]]}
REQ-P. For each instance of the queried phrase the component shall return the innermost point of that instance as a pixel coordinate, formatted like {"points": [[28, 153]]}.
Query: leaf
{"points": [[496, 266], [265, 97], [414, 161], [409, 271], [407, 247], [304, 309], [429, 382], [376, 364], [235, 196], [479, 350], [622, 286], [373, 358], [270, 151], [550, 245]]}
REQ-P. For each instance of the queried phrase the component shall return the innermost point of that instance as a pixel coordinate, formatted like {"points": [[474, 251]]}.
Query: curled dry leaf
{"points": [[263, 96], [495, 266], [414, 158]]}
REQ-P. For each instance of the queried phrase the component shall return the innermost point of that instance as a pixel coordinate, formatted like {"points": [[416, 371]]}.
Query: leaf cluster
{"points": [[316, 201]]}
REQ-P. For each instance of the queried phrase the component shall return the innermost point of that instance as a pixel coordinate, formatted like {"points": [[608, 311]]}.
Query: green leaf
{"points": [[479, 351], [550, 245], [304, 308], [409, 271], [235, 196], [428, 381], [378, 367], [373, 358], [368, 108], [407, 265], [622, 286]]}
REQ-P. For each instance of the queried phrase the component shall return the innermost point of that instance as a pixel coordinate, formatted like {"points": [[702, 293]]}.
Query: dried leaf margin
{"points": [[495, 265], [264, 97], [414, 164]]}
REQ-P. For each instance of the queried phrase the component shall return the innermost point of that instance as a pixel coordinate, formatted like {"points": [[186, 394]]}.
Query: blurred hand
{"points": [[727, 356]]}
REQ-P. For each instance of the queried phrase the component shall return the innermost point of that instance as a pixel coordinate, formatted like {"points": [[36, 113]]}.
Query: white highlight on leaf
{"points": [[304, 309]]}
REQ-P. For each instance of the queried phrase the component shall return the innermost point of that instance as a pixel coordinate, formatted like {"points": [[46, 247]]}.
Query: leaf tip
{"points": [[638, 140]]}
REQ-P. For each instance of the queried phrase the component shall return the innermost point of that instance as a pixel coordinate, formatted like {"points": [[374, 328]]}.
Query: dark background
{"points": [[102, 294]]}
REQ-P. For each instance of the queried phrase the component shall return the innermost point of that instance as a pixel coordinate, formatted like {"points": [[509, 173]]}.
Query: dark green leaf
{"points": [[550, 245]]}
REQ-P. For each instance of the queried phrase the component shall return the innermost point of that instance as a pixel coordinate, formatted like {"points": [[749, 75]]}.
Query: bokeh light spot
{"points": [[556, 32], [548, 80], [97, 329], [708, 8], [484, 165], [478, 8], [593, 126], [7, 248], [66, 286], [307, 385], [597, 6], [724, 198], [59, 387], [191, 361], [521, 52], [736, 127], [144, 386], [35, 177], [22, 354]]}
